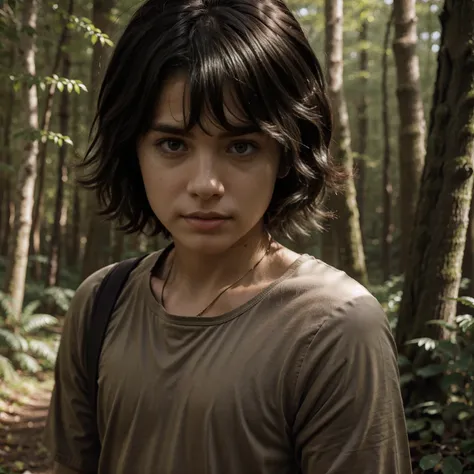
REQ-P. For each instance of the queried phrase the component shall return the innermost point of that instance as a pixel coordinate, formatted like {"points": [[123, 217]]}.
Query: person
{"points": [[226, 352]]}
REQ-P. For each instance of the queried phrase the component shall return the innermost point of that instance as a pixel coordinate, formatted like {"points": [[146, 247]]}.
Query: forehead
{"points": [[174, 104]]}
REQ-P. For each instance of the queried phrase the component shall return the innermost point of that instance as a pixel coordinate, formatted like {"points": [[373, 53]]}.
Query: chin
{"points": [[208, 243]]}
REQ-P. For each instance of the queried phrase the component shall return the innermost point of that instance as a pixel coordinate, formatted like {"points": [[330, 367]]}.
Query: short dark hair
{"points": [[256, 49]]}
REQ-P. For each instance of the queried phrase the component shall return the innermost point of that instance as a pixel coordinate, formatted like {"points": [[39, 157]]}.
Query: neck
{"points": [[209, 273]]}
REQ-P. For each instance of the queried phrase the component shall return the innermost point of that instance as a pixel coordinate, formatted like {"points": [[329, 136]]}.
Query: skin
{"points": [[207, 170]]}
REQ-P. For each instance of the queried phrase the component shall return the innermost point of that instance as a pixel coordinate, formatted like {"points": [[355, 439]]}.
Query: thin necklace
{"points": [[224, 290]]}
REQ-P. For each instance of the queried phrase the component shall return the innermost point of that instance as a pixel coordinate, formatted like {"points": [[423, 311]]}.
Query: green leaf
{"points": [[430, 370], [467, 445], [425, 342], [451, 465], [30, 308], [449, 380], [403, 361], [13, 341], [466, 301], [77, 89], [405, 378], [438, 427], [27, 362], [60, 86], [430, 461], [69, 87], [43, 350], [94, 39], [7, 371], [39, 321], [414, 426]]}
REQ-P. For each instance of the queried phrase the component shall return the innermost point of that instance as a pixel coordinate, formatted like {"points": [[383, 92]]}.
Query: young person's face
{"points": [[208, 189]]}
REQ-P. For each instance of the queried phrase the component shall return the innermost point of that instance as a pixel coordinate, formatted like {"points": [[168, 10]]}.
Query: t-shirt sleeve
{"points": [[349, 411], [71, 421]]}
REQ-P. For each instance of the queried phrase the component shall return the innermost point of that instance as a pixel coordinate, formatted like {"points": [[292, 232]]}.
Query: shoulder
{"points": [[82, 302], [320, 293]]}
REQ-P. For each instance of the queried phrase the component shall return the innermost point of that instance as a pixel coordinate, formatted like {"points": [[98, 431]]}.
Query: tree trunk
{"points": [[387, 184], [119, 245], [468, 260], [20, 237], [412, 122], [436, 251], [351, 252], [6, 201], [363, 120], [97, 252], [74, 222], [45, 125], [52, 274]]}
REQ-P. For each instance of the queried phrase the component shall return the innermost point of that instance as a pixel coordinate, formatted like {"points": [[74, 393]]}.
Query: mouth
{"points": [[206, 221]]}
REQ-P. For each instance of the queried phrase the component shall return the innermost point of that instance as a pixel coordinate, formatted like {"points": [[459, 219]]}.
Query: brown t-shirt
{"points": [[302, 378]]}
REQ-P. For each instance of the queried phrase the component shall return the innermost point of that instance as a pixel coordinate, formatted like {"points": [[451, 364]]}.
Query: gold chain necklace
{"points": [[224, 290]]}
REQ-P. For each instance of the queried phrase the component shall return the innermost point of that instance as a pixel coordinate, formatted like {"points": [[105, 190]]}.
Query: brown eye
{"points": [[171, 145], [243, 148]]}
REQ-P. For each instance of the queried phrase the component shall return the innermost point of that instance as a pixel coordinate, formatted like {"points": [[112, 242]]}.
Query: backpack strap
{"points": [[102, 309]]}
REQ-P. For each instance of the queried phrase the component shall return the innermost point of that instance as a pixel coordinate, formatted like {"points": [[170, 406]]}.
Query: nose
{"points": [[205, 182]]}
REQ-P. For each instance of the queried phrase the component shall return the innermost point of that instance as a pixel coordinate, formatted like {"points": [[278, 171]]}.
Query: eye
{"points": [[171, 145], [243, 148]]}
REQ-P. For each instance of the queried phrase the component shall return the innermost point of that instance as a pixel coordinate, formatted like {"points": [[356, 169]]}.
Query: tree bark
{"points": [[54, 261], [351, 251], [436, 251], [98, 249], [74, 222], [387, 184], [363, 120], [7, 207], [412, 122], [38, 208], [20, 237]]}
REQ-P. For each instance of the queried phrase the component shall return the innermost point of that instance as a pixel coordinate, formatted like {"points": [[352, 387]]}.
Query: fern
{"points": [[13, 341], [39, 321], [6, 305], [29, 309], [7, 371], [26, 362], [61, 296], [43, 350]]}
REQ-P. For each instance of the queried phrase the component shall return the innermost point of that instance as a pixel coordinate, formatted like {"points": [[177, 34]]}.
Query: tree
{"points": [[351, 252], [412, 122], [387, 185], [52, 274], [20, 237], [98, 235], [433, 275]]}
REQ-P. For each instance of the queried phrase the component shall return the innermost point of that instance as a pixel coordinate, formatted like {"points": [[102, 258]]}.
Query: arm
{"points": [[349, 411], [70, 433]]}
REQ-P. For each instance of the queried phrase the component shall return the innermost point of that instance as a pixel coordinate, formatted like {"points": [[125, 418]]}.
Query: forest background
{"points": [[400, 75]]}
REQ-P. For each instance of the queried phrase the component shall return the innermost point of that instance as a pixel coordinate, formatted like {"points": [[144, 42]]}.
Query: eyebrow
{"points": [[237, 130]]}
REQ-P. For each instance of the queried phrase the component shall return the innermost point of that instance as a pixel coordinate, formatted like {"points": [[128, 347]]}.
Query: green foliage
{"points": [[444, 427], [22, 344]]}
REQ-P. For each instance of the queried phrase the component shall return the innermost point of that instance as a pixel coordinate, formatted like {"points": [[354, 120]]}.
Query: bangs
{"points": [[232, 74]]}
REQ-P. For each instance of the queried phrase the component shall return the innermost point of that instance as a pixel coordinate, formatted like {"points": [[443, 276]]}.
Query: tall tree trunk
{"points": [[97, 251], [412, 122], [6, 201], [119, 245], [38, 208], [20, 237], [54, 261], [387, 184], [436, 251], [362, 119], [74, 222], [351, 251], [468, 260]]}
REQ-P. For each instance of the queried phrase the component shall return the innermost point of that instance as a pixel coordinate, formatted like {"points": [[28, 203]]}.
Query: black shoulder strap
{"points": [[103, 306]]}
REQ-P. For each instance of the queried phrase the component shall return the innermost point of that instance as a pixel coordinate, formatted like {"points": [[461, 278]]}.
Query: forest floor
{"points": [[23, 409]]}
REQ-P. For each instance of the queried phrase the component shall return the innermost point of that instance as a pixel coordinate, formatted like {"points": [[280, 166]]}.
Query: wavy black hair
{"points": [[255, 49]]}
